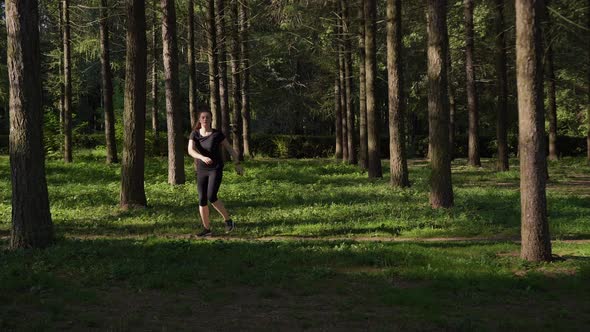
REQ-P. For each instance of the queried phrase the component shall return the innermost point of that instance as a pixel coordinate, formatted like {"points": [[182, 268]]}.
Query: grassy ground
{"points": [[318, 246]]}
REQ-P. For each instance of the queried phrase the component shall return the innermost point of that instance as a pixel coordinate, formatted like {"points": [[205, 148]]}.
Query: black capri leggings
{"points": [[208, 182]]}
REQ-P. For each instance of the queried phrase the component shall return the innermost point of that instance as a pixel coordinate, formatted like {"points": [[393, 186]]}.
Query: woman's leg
{"points": [[213, 187], [202, 188]]}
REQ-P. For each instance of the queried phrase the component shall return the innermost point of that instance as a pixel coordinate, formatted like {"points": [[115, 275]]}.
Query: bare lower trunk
{"points": [[245, 66], [67, 130], [192, 71], [352, 158], [133, 163], [397, 159], [236, 102], [31, 220], [363, 158], [343, 118], [375, 170], [502, 90], [441, 188], [552, 106], [536, 244], [472, 104], [338, 116], [107, 87], [155, 120], [173, 115], [213, 64], [222, 63]]}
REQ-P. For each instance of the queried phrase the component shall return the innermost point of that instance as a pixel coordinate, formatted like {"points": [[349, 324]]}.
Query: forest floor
{"points": [[318, 247]]}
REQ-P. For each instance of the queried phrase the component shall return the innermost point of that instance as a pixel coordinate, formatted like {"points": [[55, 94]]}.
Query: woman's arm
{"points": [[195, 154]]}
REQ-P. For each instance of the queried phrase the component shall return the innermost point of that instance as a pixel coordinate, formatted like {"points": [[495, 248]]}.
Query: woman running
{"points": [[205, 145]]}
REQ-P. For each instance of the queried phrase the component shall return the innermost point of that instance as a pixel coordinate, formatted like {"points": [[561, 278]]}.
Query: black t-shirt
{"points": [[209, 146]]}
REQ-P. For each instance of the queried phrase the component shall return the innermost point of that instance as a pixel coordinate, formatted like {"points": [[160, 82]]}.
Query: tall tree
{"points": [[374, 170], [236, 123], [536, 244], [343, 97], [62, 88], [346, 35], [363, 157], [155, 120], [192, 72], [133, 164], [472, 107], [550, 72], [31, 220], [502, 88], [173, 113], [222, 63], [213, 65], [441, 188], [588, 106], [245, 67], [67, 130], [338, 114], [397, 159], [107, 85], [452, 105]]}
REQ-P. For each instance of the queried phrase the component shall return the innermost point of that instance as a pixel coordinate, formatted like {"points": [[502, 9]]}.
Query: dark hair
{"points": [[197, 125]]}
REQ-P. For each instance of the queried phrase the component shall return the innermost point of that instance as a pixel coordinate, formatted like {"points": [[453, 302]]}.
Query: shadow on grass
{"points": [[446, 285]]}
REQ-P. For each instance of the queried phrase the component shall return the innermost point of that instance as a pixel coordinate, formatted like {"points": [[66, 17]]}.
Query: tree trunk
{"points": [[344, 118], [452, 103], [552, 106], [363, 157], [213, 65], [245, 66], [352, 159], [107, 86], [588, 106], [441, 188], [67, 84], [236, 123], [536, 244], [133, 164], [472, 105], [173, 113], [31, 219], [62, 88], [192, 72], [222, 53], [397, 159], [502, 89], [338, 116], [155, 120], [374, 170]]}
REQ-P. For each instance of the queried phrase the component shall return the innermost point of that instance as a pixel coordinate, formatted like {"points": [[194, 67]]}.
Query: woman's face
{"points": [[205, 119]]}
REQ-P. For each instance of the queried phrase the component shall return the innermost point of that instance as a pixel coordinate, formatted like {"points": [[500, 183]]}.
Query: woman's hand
{"points": [[207, 160], [239, 169]]}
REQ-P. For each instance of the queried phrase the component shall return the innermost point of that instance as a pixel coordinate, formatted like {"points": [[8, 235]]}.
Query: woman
{"points": [[205, 145]]}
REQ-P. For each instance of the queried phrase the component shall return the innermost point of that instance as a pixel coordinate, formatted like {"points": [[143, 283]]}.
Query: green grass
{"points": [[320, 263]]}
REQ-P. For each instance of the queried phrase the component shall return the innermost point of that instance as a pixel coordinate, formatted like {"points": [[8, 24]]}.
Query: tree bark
{"points": [[452, 103], [236, 123], [173, 113], [245, 66], [338, 116], [588, 106], [441, 188], [397, 160], [62, 88], [374, 170], [133, 164], [352, 158], [363, 157], [222, 63], [472, 104], [502, 89], [155, 120], [192, 72], [213, 64], [536, 244], [67, 130], [550, 72], [343, 97], [107, 86], [31, 219]]}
